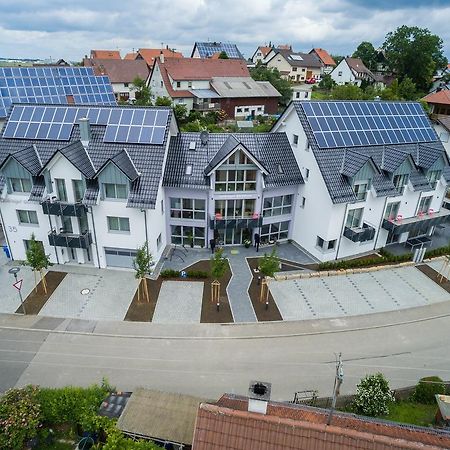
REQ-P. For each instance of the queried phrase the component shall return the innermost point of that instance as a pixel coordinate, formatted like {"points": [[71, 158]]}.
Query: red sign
{"points": [[18, 285]]}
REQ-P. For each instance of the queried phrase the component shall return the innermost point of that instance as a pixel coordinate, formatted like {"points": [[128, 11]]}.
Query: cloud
{"points": [[32, 28]]}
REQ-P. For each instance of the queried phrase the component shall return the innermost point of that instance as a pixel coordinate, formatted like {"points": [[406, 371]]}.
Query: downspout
{"points": [[95, 236], [51, 231], [342, 231], [381, 223], [6, 234]]}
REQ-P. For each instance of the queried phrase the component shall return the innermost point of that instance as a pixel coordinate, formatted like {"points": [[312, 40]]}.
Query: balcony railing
{"points": [[206, 106], [70, 240], [237, 223], [360, 234], [57, 208], [402, 225]]}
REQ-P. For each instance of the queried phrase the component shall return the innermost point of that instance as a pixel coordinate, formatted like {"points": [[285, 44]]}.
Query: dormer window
{"points": [[20, 184], [116, 191], [400, 181], [433, 177], [361, 188]]}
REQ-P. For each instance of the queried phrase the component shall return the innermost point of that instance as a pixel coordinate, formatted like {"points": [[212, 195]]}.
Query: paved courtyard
{"points": [[349, 295], [179, 302]]}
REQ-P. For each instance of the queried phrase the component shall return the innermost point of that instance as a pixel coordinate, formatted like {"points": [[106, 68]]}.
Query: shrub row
{"points": [[170, 273], [441, 251]]}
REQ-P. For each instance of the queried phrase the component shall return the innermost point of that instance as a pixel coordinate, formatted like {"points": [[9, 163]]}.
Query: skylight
{"points": [[192, 145], [188, 170], [296, 57]]}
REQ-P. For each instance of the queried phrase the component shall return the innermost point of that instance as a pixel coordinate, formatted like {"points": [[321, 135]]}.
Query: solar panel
{"points": [[353, 124], [207, 49], [53, 85]]}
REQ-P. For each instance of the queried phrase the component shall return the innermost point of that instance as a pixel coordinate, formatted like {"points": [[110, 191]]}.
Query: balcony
{"points": [[205, 107], [360, 234], [402, 225], [237, 223], [70, 240], [63, 209]]}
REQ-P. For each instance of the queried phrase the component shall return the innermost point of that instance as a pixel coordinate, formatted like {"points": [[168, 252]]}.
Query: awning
{"points": [[204, 93], [401, 225]]}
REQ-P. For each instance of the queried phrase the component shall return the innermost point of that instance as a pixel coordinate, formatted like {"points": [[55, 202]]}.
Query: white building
{"points": [[352, 71]]}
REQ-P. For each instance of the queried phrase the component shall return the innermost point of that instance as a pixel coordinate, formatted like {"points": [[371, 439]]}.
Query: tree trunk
{"points": [[146, 289], [44, 282], [139, 291]]}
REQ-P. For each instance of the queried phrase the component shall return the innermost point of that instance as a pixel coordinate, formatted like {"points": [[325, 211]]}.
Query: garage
{"points": [[120, 257]]}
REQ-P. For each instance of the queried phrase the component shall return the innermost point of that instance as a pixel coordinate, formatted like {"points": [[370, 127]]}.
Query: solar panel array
{"points": [[53, 85], [354, 124], [207, 49], [124, 125]]}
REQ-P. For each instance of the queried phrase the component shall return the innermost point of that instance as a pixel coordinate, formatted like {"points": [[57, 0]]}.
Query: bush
{"points": [[169, 273], [373, 396], [197, 274], [20, 417], [427, 388], [441, 251]]}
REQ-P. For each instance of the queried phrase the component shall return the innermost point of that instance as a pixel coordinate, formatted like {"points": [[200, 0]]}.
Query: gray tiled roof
{"points": [[29, 159], [91, 194], [339, 188], [37, 190], [270, 149], [392, 159], [2, 183], [352, 162], [445, 173], [78, 156], [123, 161]]}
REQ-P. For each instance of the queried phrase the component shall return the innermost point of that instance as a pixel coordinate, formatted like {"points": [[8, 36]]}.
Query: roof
{"points": [[204, 93], [442, 97], [445, 122], [105, 54], [161, 415], [208, 49], [358, 66], [131, 55], [324, 56], [228, 425], [123, 161], [150, 54], [269, 149], [264, 50], [239, 87], [297, 59], [353, 162], [119, 70], [443, 402], [28, 158]]}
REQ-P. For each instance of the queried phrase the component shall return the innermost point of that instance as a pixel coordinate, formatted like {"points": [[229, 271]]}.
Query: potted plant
{"points": [[247, 243], [190, 239]]}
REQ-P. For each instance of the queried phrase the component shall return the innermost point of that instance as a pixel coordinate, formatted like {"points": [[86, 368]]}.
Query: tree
{"points": [[223, 55], [415, 53], [163, 101], [180, 111], [37, 260], [219, 264], [427, 388], [327, 82], [373, 396], [337, 58], [142, 92], [269, 264], [367, 53], [262, 73], [407, 89], [347, 92], [141, 265]]}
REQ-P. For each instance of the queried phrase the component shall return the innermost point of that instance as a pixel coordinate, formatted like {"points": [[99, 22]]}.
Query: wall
{"points": [[444, 136], [270, 104], [347, 74]]}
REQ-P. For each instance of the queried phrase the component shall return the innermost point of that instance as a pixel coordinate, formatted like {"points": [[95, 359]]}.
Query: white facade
{"points": [[124, 91], [295, 73], [343, 74]]}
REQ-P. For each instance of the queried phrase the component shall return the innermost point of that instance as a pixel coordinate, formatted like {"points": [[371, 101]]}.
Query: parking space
{"points": [[365, 293]]}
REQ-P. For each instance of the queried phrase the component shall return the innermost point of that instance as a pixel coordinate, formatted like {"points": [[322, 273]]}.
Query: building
{"points": [[213, 84], [214, 49], [255, 423], [149, 55], [121, 74], [294, 66], [328, 63], [260, 54], [105, 54], [442, 128], [352, 71], [375, 174], [439, 102]]}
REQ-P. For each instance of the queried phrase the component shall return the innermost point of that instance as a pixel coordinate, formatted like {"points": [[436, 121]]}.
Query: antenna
{"points": [[339, 378]]}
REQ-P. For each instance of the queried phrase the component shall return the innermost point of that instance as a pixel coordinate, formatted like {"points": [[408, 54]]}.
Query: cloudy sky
{"points": [[70, 29]]}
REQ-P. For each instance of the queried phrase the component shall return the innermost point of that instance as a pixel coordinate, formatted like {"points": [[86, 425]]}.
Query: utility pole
{"points": [[339, 378]]}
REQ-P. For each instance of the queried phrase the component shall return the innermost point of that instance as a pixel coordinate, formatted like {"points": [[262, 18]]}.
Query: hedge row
{"points": [[170, 273]]}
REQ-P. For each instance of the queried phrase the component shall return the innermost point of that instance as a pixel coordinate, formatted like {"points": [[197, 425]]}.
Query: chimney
{"points": [[85, 131], [259, 396], [161, 56]]}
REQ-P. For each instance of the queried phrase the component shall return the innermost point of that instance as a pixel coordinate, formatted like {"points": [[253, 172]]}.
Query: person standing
{"points": [[212, 244], [257, 241]]}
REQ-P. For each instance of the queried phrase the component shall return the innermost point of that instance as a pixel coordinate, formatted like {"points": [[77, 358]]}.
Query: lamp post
{"points": [[14, 271]]}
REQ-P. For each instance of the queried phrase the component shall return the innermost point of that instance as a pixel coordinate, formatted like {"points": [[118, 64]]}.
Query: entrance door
{"points": [[230, 236], [308, 74]]}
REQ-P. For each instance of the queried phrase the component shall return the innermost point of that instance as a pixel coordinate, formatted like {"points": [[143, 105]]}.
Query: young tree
{"points": [[180, 111], [262, 73], [142, 92], [367, 53], [407, 89], [223, 55], [37, 260], [219, 264], [141, 265], [269, 264], [327, 82], [163, 101]]}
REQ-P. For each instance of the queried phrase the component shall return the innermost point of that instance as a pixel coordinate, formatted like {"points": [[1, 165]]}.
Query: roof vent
{"points": [[85, 131], [258, 396], [204, 136], [192, 145]]}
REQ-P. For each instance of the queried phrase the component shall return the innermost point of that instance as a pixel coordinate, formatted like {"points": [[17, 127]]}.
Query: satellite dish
{"points": [[204, 137]]}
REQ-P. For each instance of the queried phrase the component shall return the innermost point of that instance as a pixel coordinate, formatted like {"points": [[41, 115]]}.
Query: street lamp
{"points": [[14, 271]]}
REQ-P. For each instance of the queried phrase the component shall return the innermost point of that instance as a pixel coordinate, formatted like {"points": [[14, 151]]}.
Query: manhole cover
{"points": [[85, 291]]}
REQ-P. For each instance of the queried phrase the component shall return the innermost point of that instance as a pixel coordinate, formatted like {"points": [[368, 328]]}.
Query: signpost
{"points": [[18, 284]]}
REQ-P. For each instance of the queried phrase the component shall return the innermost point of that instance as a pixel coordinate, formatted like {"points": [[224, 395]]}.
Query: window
{"points": [[159, 241], [274, 231], [295, 140], [324, 245], [162, 84], [61, 189], [121, 224], [354, 218], [78, 190], [276, 206], [235, 209], [27, 243], [184, 235], [319, 242], [118, 191], [360, 188], [20, 184], [125, 84], [340, 74], [162, 206], [331, 244], [190, 84], [400, 181], [306, 174], [178, 84], [27, 217], [391, 212], [294, 69], [67, 225], [424, 205], [433, 177], [187, 208], [235, 180], [302, 202]]}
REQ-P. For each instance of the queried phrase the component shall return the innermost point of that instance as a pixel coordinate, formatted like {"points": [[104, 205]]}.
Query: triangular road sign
{"points": [[18, 285]]}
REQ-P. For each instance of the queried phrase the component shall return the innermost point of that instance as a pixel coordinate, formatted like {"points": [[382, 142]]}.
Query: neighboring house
{"points": [[441, 79], [301, 92], [213, 84], [442, 128], [439, 102], [352, 71], [121, 73], [294, 66], [375, 174], [328, 63], [253, 423], [149, 55], [105, 54], [261, 54], [213, 49]]}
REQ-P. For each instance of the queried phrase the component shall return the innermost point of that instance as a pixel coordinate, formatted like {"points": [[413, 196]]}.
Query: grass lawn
{"points": [[320, 95], [413, 413]]}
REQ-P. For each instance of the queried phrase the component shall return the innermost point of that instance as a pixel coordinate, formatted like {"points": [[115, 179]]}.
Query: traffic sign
{"points": [[18, 285]]}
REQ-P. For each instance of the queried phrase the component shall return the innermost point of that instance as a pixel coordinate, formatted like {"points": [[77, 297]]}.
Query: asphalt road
{"points": [[208, 367]]}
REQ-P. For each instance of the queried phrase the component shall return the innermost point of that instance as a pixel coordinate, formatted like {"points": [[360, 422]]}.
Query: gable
{"points": [[439, 164], [366, 172], [405, 167], [12, 169], [112, 174]]}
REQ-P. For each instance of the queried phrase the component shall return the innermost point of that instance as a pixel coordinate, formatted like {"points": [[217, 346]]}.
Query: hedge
{"points": [[427, 388], [170, 273]]}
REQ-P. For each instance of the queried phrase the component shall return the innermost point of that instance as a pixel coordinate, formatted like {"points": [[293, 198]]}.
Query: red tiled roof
{"points": [[265, 50], [119, 70], [150, 54], [227, 425], [441, 97], [324, 56], [172, 92], [105, 54], [131, 55]]}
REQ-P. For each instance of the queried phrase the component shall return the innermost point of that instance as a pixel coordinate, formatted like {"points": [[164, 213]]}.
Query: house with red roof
{"points": [[149, 55], [105, 54], [260, 54], [439, 102], [328, 62], [352, 71]]}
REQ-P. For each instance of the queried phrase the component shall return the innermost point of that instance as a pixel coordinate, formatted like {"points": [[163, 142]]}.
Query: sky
{"points": [[67, 29]]}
